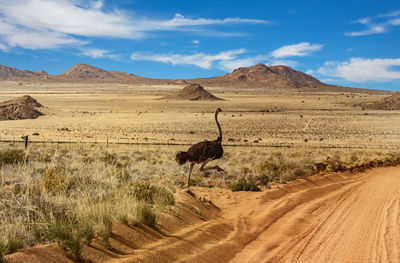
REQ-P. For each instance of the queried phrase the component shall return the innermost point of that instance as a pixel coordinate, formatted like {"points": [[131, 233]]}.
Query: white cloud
{"points": [[196, 42], [179, 21], [394, 22], [97, 4], [201, 60], [300, 50], [376, 25], [373, 29], [64, 21], [44, 39], [227, 60], [310, 72], [98, 53], [3, 47], [390, 14], [363, 69]]}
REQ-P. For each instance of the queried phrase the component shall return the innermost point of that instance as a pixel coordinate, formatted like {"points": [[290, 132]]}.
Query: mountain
{"points": [[273, 77], [258, 76], [84, 73], [191, 92], [9, 73]]}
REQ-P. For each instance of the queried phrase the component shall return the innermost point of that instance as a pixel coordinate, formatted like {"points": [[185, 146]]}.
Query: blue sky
{"points": [[350, 43]]}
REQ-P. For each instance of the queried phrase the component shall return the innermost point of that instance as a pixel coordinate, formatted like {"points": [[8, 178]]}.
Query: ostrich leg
{"points": [[190, 172], [216, 167]]}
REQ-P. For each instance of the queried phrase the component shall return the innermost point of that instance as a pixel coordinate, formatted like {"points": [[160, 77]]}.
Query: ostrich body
{"points": [[203, 152]]}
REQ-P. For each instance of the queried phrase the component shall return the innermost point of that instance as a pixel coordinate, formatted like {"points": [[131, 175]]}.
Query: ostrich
{"points": [[203, 152]]}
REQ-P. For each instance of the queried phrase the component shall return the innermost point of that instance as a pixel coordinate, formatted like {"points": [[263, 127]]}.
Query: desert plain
{"points": [[71, 181], [135, 113]]}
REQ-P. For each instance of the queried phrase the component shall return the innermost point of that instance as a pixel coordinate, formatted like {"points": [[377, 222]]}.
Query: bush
{"points": [[196, 181], [3, 251], [70, 235], [55, 180], [144, 214], [11, 157], [134, 213], [269, 168], [120, 174], [151, 193], [100, 217], [244, 185], [109, 158], [11, 242]]}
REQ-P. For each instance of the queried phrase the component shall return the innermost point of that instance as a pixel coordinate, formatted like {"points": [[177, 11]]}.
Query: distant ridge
{"points": [[273, 77], [85, 73], [10, 73], [280, 77], [388, 103], [192, 92]]}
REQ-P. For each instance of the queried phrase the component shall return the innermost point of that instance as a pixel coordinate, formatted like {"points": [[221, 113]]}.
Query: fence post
{"points": [[26, 141]]}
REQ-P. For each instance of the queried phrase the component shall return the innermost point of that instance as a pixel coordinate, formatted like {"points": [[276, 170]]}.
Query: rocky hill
{"points": [[10, 73], [258, 76], [389, 103], [24, 107], [273, 77], [87, 73], [191, 92]]}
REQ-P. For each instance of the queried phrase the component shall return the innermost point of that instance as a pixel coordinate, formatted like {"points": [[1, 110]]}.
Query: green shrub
{"points": [[55, 180], [109, 158], [244, 185], [131, 212], [120, 174], [70, 235], [11, 157], [144, 214], [11, 241], [3, 251], [151, 193], [100, 217], [196, 181]]}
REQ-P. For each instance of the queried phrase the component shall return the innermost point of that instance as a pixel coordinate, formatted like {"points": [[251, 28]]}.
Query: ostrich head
{"points": [[218, 110]]}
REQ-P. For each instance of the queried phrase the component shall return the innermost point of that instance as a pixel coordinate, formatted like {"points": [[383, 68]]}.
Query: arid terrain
{"points": [[131, 113], [98, 181]]}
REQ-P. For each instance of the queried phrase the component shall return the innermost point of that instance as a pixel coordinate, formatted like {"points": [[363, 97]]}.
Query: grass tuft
{"points": [[244, 185], [11, 156]]}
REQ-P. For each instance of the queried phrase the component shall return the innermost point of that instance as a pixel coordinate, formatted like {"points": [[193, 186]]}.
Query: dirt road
{"points": [[324, 218], [332, 218]]}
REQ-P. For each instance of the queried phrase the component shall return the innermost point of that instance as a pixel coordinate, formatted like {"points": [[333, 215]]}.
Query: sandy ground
{"points": [[345, 217], [122, 113]]}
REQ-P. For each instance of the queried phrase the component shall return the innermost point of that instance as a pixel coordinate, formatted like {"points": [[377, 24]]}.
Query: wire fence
{"points": [[108, 142]]}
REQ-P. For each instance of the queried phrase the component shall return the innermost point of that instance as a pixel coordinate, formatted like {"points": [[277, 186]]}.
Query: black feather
{"points": [[181, 157], [207, 150]]}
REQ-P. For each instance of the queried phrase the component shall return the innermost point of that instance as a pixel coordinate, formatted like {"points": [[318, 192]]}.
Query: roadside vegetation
{"points": [[70, 196]]}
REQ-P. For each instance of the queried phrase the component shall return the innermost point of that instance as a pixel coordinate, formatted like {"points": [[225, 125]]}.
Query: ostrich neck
{"points": [[219, 128]]}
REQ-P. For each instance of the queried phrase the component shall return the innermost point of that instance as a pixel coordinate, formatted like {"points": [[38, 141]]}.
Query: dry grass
{"points": [[71, 200], [72, 195]]}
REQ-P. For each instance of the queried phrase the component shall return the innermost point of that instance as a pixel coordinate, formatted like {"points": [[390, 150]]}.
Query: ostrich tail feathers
{"points": [[181, 157]]}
